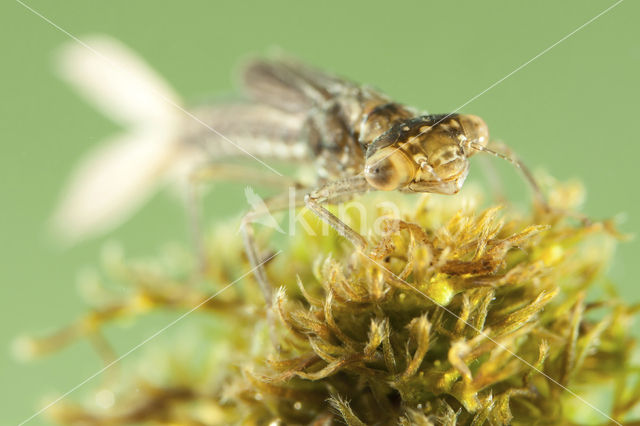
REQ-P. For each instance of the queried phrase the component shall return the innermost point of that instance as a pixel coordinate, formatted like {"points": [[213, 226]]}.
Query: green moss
{"points": [[484, 319]]}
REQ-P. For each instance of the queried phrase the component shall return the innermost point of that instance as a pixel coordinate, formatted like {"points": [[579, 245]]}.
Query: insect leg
{"points": [[219, 171], [237, 172], [337, 192], [502, 151], [271, 205], [493, 179], [194, 219]]}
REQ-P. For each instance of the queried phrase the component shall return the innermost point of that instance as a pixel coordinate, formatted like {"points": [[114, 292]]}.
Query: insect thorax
{"points": [[341, 132]]}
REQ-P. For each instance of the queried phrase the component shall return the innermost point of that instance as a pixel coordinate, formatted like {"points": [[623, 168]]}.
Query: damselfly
{"points": [[353, 137]]}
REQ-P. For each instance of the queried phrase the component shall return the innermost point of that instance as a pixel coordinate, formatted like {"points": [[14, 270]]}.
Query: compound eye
{"points": [[389, 169]]}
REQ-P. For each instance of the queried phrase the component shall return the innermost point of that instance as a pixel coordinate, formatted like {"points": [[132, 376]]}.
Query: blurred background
{"points": [[572, 112]]}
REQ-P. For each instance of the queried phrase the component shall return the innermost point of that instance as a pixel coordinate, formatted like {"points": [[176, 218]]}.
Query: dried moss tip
{"points": [[457, 315]]}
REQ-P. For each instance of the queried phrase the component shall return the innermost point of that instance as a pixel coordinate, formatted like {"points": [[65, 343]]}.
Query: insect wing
{"points": [[289, 85]]}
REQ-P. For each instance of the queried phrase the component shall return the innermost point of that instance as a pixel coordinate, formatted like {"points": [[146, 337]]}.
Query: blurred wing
{"points": [[123, 172], [118, 81], [290, 85], [112, 181]]}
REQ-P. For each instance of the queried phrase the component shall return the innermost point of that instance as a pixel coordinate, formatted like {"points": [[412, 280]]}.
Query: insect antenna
{"points": [[510, 157]]}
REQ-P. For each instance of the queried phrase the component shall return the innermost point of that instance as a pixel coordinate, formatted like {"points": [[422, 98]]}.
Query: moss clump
{"points": [[459, 316]]}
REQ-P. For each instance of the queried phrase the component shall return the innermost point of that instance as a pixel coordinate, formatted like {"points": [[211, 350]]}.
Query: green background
{"points": [[572, 112]]}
